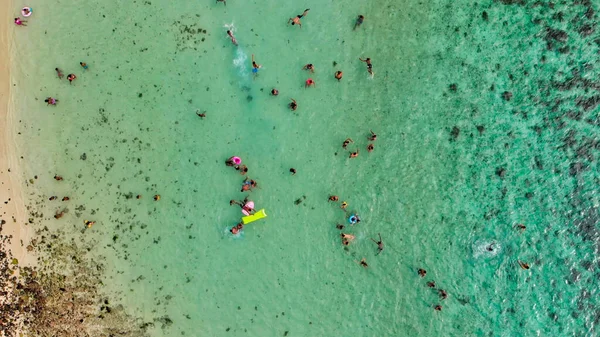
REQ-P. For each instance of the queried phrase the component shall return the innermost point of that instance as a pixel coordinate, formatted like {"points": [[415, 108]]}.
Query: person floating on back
{"points": [[233, 40], [369, 65], [379, 244], [296, 20], [359, 21]]}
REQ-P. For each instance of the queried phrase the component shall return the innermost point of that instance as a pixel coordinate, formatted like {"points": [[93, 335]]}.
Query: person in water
{"points": [[58, 178], [347, 238], [309, 67], [20, 22], [156, 197], [83, 65], [344, 205], [333, 198], [438, 308], [372, 137], [363, 262], [369, 64], [51, 101], [26, 11], [233, 40], [296, 20], [59, 73], [354, 154], [309, 83], [379, 244], [422, 272], [223, 1], [201, 115], [346, 142], [523, 265], [359, 21], [248, 184], [88, 223], [242, 168], [431, 284], [274, 92], [443, 294], [338, 75], [71, 78], [293, 105], [370, 147], [293, 171], [255, 66]]}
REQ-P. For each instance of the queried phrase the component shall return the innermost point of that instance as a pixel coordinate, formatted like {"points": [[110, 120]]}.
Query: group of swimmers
{"points": [[431, 284], [70, 77], [293, 105], [353, 154], [247, 186]]}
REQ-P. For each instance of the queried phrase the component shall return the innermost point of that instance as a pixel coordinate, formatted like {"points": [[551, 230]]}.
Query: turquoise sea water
{"points": [[486, 115]]}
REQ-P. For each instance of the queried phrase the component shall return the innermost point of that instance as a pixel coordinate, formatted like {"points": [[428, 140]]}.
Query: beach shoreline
{"points": [[13, 209]]}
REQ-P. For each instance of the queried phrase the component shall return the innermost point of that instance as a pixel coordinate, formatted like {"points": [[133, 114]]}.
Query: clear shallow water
{"points": [[454, 167]]}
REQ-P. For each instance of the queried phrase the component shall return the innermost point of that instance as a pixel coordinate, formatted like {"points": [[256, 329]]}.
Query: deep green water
{"points": [[484, 121]]}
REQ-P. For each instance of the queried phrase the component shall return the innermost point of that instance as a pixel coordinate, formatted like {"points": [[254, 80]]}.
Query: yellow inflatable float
{"points": [[256, 216]]}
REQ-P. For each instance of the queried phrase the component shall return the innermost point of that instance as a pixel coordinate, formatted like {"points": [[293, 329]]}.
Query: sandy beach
{"points": [[12, 210]]}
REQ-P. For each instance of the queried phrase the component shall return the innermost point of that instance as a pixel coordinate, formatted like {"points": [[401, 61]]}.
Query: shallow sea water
{"points": [[457, 164]]}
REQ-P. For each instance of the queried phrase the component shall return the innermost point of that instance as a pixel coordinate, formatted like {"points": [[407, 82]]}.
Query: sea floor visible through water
{"points": [[486, 117]]}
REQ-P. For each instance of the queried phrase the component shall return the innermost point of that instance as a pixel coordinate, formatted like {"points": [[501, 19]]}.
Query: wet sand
{"points": [[12, 210]]}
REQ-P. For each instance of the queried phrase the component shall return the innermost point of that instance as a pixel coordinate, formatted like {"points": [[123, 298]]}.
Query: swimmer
{"points": [[26, 11], [490, 248], [521, 227], [274, 92], [369, 64], [338, 75], [59, 214], [363, 262], [156, 197], [348, 237], [229, 162], [523, 265], [293, 105], [58, 178], [443, 294], [346, 142], [59, 73], [233, 202], [359, 21], [83, 65], [340, 226], [20, 22], [51, 101], [422, 272], [66, 199], [372, 137], [309, 67], [309, 83], [333, 198], [139, 196], [354, 154], [234, 230], [296, 20], [438, 308], [201, 115], [344, 205], [370, 147], [293, 171], [233, 40], [53, 198], [88, 223], [431, 284], [255, 66], [242, 168], [223, 1], [248, 184], [379, 244], [71, 77]]}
